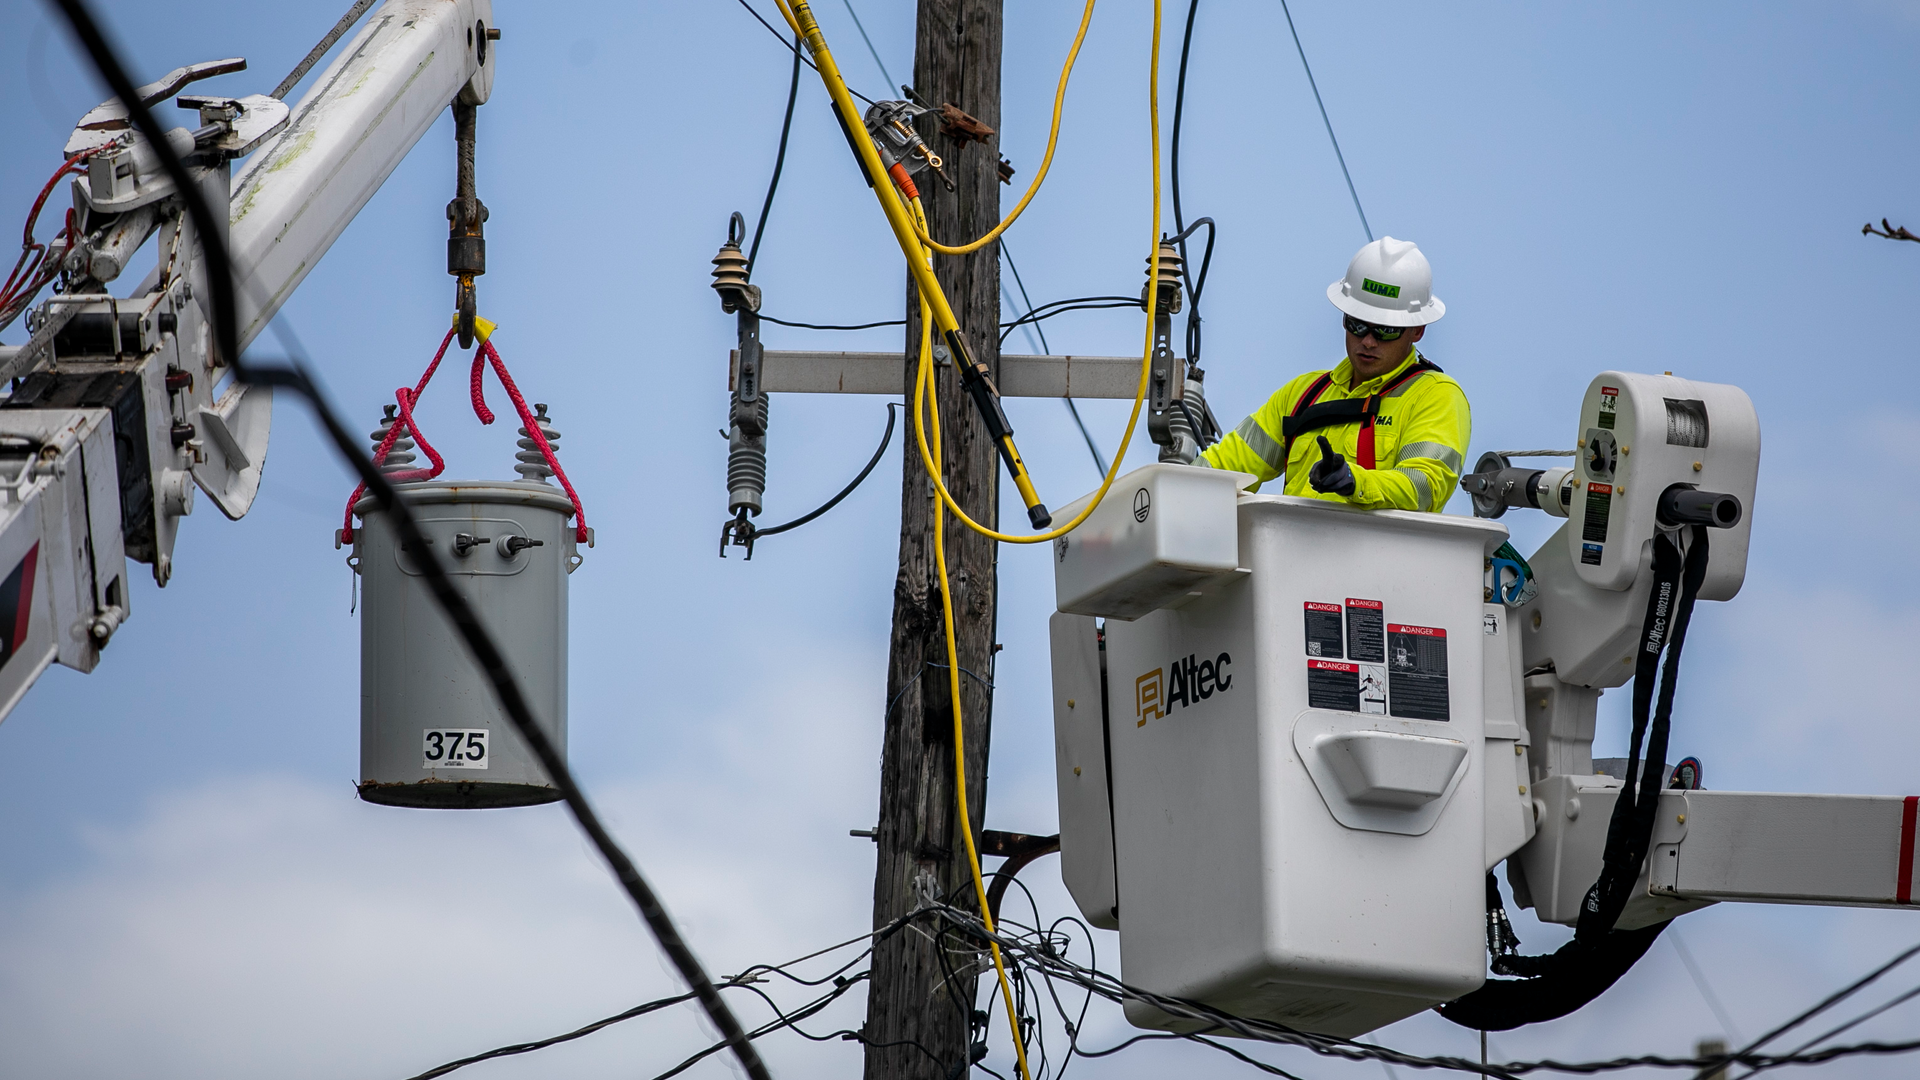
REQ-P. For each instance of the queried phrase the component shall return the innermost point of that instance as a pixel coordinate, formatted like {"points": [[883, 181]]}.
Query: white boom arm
{"points": [[296, 196], [115, 419]]}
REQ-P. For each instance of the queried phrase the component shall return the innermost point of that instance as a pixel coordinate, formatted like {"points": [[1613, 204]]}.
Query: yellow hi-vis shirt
{"points": [[1419, 440]]}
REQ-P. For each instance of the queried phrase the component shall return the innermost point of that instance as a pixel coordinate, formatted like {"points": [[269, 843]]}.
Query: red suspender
{"points": [[1307, 417]]}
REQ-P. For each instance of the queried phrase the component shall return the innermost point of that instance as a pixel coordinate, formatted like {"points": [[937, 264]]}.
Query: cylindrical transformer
{"points": [[431, 732]]}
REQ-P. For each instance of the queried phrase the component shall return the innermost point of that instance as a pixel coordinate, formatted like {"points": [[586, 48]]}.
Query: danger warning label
{"points": [[1593, 528], [1323, 630], [1366, 630], [1333, 685], [1417, 671]]}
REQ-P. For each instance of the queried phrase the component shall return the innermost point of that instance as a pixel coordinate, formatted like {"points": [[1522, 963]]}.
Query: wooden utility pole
{"points": [[920, 1002]]}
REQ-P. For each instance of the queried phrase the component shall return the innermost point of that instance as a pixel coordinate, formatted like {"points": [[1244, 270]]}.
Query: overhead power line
{"points": [[1036, 332], [782, 39], [885, 78], [779, 163], [1040, 963], [1323, 119]]}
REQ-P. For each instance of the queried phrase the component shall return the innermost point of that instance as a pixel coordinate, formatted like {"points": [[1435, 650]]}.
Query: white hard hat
{"points": [[1390, 284]]}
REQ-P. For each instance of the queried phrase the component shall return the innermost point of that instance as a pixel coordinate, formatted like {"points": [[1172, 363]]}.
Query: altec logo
{"points": [[1193, 681]]}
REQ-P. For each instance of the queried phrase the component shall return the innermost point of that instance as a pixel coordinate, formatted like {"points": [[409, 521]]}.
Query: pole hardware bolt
{"points": [[514, 545]]}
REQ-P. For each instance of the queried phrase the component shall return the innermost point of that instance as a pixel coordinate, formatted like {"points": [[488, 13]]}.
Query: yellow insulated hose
{"points": [[1046, 160], [926, 404], [909, 225], [959, 728], [923, 385], [800, 17]]}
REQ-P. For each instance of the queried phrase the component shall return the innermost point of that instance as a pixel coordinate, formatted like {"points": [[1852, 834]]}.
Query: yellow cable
{"points": [[906, 230], [924, 386], [897, 216], [960, 737], [1046, 162], [924, 383], [910, 230]]}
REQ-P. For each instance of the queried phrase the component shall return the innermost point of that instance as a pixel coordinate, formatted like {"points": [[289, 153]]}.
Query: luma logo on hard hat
{"points": [[1193, 681], [1369, 292]]}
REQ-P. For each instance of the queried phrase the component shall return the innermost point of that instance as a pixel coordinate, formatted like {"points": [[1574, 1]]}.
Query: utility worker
{"points": [[1385, 429]]}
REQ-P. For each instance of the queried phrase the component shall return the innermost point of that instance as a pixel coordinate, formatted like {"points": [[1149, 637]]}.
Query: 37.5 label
{"points": [[455, 748]]}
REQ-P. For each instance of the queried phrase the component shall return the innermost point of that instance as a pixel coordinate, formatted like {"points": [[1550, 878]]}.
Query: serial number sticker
{"points": [[454, 748]]}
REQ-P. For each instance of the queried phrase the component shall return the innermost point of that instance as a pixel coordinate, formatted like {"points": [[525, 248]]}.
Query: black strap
{"points": [[1312, 414], [1630, 831], [1557, 984]]}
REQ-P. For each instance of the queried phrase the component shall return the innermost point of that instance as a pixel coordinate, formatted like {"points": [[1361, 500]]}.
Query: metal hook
{"points": [[736, 229]]}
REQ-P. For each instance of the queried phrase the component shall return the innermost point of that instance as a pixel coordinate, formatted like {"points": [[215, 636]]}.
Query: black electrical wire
{"points": [[885, 440], [1045, 311], [1061, 307], [577, 1033], [1351, 190], [1033, 953], [1848, 1026], [1831, 1000], [1053, 965], [782, 38], [1121, 302], [779, 162], [833, 326], [1099, 462], [1179, 110], [479, 641], [875, 53], [786, 1020], [1025, 299], [1196, 283], [744, 980]]}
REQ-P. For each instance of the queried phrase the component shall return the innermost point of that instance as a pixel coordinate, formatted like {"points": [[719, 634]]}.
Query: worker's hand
{"points": [[1330, 475]]}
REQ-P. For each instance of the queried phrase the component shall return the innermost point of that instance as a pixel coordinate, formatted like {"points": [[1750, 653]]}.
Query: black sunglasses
{"points": [[1361, 329]]}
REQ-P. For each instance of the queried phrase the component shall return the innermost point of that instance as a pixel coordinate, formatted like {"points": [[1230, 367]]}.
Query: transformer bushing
{"points": [[432, 733]]}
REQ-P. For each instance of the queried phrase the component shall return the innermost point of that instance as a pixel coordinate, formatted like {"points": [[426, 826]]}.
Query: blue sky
{"points": [[188, 888]]}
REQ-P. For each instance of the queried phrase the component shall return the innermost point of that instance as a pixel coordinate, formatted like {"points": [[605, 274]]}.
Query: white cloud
{"points": [[270, 926]]}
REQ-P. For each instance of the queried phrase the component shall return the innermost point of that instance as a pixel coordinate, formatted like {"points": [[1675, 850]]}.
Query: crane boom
{"points": [[120, 408], [346, 136]]}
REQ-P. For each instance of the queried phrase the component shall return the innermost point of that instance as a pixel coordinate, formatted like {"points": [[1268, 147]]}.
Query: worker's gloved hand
{"points": [[1330, 475]]}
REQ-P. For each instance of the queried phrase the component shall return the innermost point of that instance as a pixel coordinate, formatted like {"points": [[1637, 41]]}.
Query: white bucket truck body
{"points": [[1295, 823]]}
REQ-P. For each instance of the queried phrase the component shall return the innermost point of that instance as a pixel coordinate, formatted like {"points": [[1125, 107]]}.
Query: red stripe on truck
{"points": [[1903, 886]]}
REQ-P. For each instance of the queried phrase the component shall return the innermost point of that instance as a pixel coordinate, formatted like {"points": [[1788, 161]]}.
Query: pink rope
{"points": [[478, 394], [407, 401], [527, 421], [411, 475]]}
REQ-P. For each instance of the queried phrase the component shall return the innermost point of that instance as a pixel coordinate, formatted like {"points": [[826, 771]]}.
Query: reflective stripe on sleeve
{"points": [[1440, 452], [1421, 486], [1262, 444]]}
